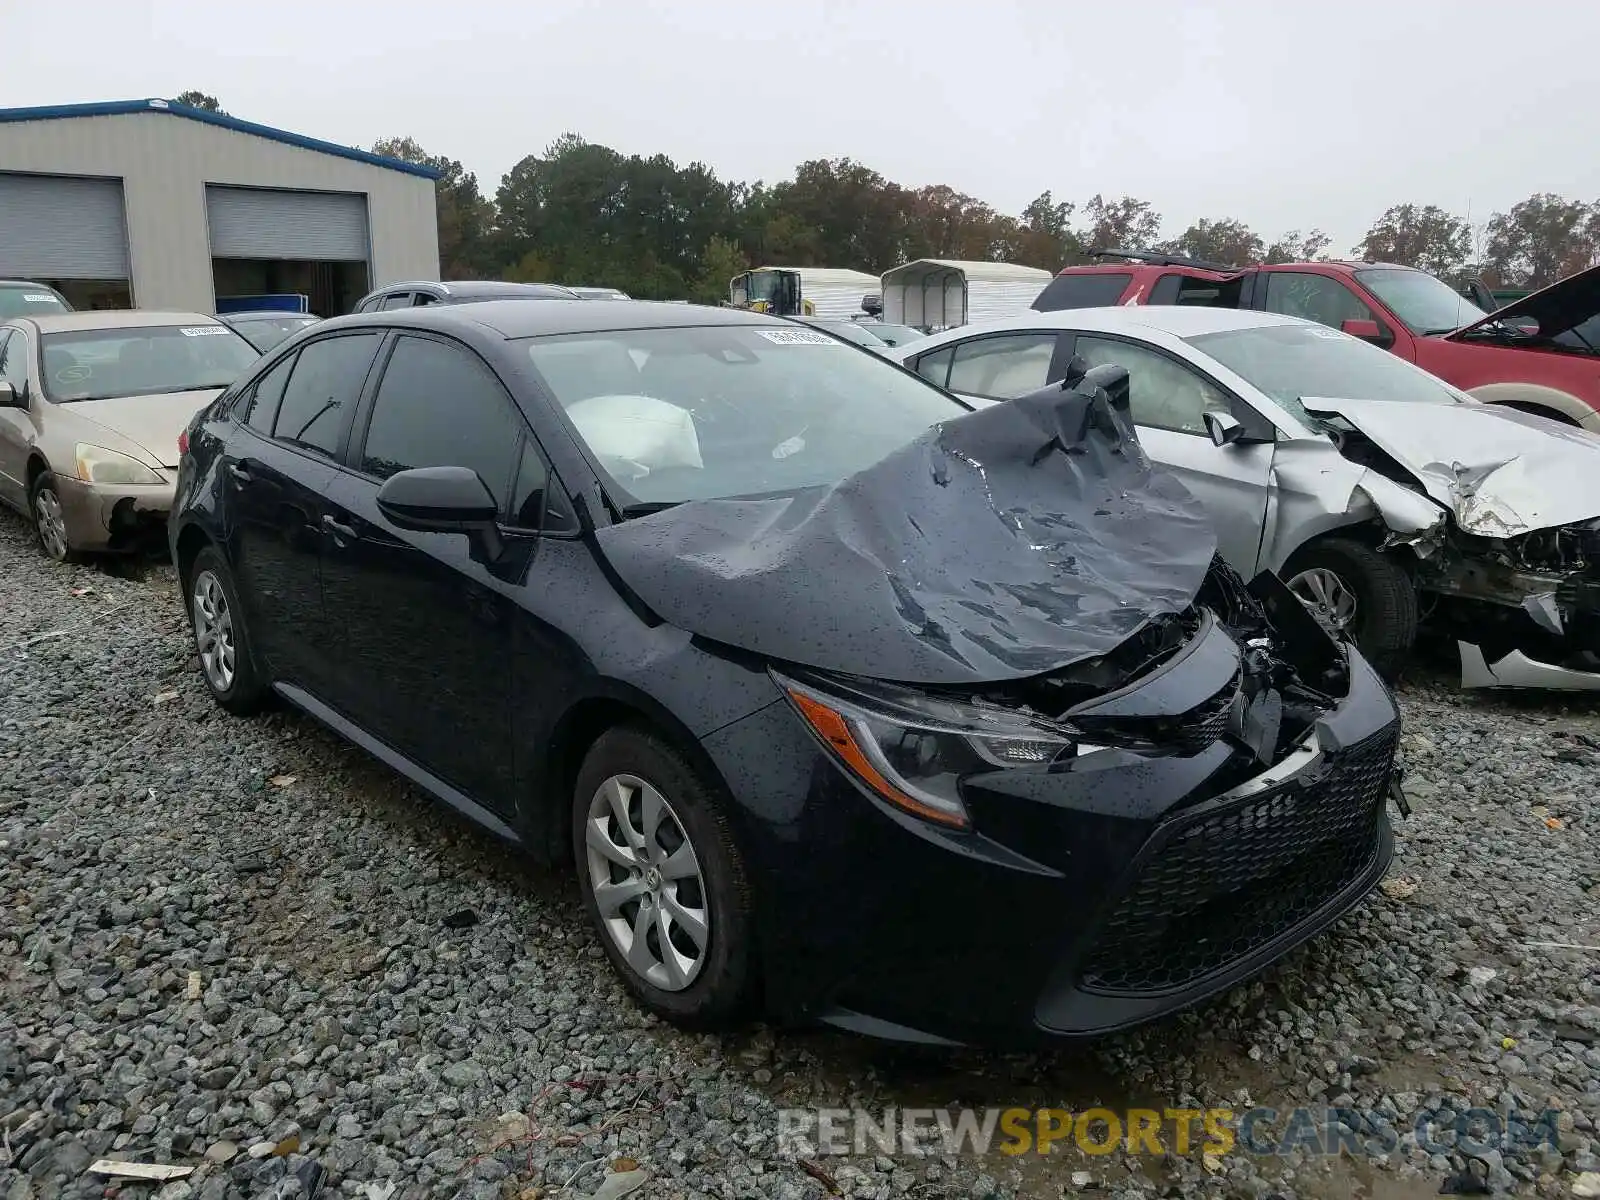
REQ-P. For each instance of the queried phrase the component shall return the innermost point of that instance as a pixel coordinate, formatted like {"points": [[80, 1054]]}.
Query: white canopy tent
{"points": [[939, 293]]}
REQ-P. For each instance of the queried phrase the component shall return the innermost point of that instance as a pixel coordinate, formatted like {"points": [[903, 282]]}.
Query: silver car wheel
{"points": [[52, 523], [647, 883], [1328, 597], [213, 630]]}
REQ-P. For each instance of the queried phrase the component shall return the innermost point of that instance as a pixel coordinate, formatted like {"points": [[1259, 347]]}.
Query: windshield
{"points": [[724, 411], [851, 332], [1289, 362], [28, 301], [1424, 303], [266, 332], [97, 364]]}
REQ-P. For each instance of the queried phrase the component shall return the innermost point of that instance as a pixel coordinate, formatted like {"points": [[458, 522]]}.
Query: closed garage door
{"points": [[59, 227], [309, 226]]}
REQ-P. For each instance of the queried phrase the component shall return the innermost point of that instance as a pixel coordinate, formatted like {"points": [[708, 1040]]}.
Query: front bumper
{"points": [[103, 517], [1082, 902]]}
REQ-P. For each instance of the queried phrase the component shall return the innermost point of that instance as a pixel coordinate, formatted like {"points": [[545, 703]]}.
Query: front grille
{"points": [[1187, 732], [1216, 885]]}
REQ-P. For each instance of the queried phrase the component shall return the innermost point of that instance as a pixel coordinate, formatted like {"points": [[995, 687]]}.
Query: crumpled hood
{"points": [[151, 422], [1499, 471], [1009, 542]]}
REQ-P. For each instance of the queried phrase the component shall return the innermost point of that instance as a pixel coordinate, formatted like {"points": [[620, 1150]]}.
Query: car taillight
{"points": [[183, 442]]}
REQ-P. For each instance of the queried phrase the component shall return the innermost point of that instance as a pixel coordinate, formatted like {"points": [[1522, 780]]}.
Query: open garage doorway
{"points": [[266, 241], [331, 288]]}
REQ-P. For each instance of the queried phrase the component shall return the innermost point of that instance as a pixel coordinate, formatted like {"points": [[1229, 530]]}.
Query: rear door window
{"points": [[1005, 367], [396, 300], [1098, 289], [322, 391]]}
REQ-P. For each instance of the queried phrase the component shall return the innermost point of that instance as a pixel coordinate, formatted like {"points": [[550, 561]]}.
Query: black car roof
{"points": [[264, 314], [516, 319]]}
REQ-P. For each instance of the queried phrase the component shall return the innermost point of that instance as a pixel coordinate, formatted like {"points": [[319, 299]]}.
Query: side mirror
{"points": [[8, 396], [443, 500], [1367, 331], [1224, 428]]}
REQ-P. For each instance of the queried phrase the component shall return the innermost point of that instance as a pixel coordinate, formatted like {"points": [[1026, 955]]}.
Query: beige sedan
{"points": [[91, 406]]}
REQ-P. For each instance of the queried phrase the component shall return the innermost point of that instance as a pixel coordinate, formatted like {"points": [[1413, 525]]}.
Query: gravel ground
{"points": [[230, 938]]}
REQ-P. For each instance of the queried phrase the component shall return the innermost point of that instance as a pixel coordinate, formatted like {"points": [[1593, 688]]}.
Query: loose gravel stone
{"points": [[198, 956]]}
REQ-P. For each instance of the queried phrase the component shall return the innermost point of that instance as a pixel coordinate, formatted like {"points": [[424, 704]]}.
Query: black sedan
{"points": [[844, 702]]}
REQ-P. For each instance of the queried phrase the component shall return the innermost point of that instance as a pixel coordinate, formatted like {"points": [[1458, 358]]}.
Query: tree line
{"points": [[581, 213]]}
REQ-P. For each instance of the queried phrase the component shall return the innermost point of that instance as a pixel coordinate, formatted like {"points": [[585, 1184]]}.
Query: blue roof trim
{"points": [[113, 108]]}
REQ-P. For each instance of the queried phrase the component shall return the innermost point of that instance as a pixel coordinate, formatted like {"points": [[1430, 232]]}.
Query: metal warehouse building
{"points": [[159, 205]]}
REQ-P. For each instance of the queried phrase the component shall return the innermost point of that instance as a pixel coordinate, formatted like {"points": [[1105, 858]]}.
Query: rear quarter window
{"points": [[1096, 290]]}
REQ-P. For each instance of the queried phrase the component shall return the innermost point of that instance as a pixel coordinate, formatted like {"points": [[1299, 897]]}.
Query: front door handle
{"points": [[341, 532], [239, 474]]}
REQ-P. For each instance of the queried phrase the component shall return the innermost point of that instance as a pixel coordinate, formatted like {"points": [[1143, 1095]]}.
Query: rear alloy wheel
{"points": [[1359, 594], [50, 520], [219, 636], [662, 880]]}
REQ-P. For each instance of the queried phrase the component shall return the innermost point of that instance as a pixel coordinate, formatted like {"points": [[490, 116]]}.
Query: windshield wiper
{"points": [[645, 509], [198, 387]]}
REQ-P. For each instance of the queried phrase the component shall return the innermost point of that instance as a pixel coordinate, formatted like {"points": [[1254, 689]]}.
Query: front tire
{"points": [[49, 520], [663, 880], [220, 638], [1361, 594]]}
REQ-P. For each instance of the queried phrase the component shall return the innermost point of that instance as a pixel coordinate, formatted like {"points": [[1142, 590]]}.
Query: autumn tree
{"points": [[464, 216], [201, 100], [1422, 236], [1045, 235], [1120, 224], [1294, 247], [1221, 241], [1541, 240]]}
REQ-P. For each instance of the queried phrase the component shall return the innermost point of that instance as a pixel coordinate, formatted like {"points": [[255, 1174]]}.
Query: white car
{"points": [[1373, 488]]}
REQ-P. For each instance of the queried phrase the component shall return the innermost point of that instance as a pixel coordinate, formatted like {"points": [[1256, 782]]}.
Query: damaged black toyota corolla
{"points": [[847, 703]]}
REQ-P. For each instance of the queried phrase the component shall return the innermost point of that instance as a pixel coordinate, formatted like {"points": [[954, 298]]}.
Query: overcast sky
{"points": [[1282, 114]]}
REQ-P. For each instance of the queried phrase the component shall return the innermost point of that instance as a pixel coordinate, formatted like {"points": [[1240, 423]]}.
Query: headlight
{"points": [[915, 750], [96, 464]]}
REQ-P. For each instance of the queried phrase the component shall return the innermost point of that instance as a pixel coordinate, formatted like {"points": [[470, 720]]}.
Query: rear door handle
{"points": [[341, 533], [240, 474]]}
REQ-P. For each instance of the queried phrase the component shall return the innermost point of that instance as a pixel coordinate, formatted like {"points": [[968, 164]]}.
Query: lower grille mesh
{"points": [[1221, 884]]}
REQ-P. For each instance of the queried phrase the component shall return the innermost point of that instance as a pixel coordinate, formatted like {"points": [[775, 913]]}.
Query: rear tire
{"points": [[667, 894], [221, 640], [1362, 594]]}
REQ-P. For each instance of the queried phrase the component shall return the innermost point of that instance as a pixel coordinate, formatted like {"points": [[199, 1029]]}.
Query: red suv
{"points": [[1537, 354]]}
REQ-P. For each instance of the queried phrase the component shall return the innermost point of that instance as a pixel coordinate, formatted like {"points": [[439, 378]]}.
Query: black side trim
{"points": [[383, 752]]}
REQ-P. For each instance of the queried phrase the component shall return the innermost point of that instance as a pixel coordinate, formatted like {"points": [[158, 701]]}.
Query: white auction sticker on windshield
{"points": [[797, 337], [203, 330], [1331, 335], [38, 298]]}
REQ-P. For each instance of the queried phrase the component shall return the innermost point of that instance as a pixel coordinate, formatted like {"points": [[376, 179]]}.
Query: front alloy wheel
{"points": [[663, 879], [647, 883], [1328, 597], [1358, 592], [51, 521]]}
